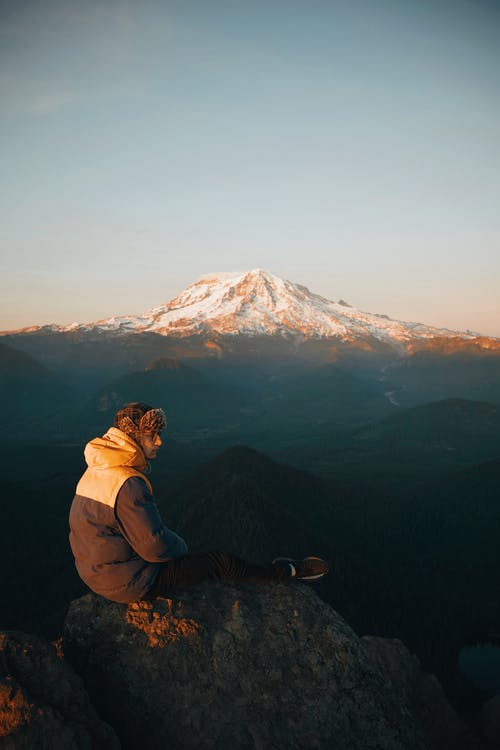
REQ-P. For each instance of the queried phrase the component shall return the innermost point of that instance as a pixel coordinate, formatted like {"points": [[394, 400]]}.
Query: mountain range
{"points": [[240, 358], [258, 303]]}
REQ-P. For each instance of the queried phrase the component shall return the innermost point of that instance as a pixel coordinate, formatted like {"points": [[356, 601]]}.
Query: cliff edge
{"points": [[225, 666]]}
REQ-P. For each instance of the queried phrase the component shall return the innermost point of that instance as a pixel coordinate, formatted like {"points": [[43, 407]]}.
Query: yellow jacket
{"points": [[111, 460]]}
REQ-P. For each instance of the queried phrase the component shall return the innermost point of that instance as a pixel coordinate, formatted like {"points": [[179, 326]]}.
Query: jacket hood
{"points": [[115, 448]]}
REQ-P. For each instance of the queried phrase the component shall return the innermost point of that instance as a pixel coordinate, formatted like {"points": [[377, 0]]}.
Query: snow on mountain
{"points": [[259, 303]]}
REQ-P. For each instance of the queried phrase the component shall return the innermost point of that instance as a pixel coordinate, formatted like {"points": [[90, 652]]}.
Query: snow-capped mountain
{"points": [[259, 303]]}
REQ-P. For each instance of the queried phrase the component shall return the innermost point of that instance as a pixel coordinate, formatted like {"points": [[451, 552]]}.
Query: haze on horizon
{"points": [[350, 147]]}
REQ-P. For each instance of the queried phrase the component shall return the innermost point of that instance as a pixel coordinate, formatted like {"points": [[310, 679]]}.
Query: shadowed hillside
{"points": [[33, 398], [195, 404], [461, 372], [244, 502], [415, 444]]}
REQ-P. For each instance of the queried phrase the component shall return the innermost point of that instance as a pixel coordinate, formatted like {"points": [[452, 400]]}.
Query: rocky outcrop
{"points": [[43, 703], [225, 666], [422, 695]]}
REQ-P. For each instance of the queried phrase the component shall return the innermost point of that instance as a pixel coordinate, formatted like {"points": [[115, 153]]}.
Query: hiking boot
{"points": [[309, 569]]}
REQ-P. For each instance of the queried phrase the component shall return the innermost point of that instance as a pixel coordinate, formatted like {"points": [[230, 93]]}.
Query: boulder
{"points": [[422, 694], [43, 703], [224, 666]]}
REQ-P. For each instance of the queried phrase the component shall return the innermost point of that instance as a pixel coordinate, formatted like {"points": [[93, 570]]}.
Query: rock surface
{"points": [[224, 666], [422, 694], [43, 703]]}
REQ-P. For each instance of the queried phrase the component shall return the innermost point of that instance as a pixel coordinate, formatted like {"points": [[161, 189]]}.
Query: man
{"points": [[123, 550]]}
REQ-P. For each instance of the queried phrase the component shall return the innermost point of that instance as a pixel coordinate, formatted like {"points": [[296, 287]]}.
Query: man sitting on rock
{"points": [[123, 550]]}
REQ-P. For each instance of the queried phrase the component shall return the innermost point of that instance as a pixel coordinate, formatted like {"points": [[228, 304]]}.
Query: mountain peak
{"points": [[256, 302], [247, 284]]}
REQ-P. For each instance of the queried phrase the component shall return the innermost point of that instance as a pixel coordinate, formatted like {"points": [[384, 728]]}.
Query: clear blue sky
{"points": [[350, 145]]}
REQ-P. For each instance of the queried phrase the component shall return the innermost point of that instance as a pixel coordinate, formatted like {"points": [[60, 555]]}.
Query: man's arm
{"points": [[140, 522]]}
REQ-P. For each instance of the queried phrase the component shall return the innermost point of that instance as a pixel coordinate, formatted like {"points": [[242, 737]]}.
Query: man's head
{"points": [[142, 423]]}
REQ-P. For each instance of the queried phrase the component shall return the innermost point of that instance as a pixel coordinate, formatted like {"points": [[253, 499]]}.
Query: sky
{"points": [[349, 145]]}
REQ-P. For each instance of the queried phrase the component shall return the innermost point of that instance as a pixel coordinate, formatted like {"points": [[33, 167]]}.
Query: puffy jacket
{"points": [[117, 535]]}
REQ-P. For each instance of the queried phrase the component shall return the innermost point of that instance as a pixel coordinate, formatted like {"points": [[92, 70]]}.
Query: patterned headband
{"points": [[131, 421]]}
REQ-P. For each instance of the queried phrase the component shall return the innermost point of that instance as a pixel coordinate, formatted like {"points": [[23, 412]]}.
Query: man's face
{"points": [[150, 443]]}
